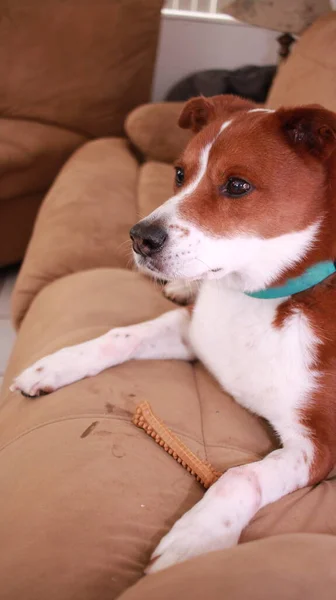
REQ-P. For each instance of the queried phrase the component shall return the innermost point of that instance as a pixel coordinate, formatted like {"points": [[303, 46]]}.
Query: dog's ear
{"points": [[309, 129], [200, 111], [196, 113]]}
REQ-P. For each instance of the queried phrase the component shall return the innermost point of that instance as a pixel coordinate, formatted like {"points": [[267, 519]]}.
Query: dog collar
{"points": [[312, 276]]}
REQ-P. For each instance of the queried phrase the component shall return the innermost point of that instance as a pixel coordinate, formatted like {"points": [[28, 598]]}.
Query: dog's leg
{"points": [[217, 521], [162, 338]]}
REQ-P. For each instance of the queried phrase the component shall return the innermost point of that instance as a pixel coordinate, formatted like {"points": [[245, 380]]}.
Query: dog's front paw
{"points": [[36, 380], [50, 373], [197, 532]]}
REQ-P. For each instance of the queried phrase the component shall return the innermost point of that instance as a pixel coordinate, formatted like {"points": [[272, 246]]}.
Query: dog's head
{"points": [[254, 195]]}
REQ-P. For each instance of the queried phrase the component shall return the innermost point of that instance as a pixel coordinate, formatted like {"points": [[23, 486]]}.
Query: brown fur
{"points": [[198, 112], [268, 158]]}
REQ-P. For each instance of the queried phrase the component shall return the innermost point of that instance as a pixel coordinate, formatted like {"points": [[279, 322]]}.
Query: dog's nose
{"points": [[148, 239]]}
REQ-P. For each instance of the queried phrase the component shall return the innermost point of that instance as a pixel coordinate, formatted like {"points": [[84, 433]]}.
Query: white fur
{"points": [[268, 369], [265, 110], [227, 324], [181, 291], [168, 207], [162, 338]]}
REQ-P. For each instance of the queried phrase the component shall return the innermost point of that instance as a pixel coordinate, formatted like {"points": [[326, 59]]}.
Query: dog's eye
{"points": [[235, 187], [179, 176]]}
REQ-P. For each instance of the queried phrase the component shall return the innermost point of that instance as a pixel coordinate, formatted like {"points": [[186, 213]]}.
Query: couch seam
{"points": [[115, 418], [53, 124], [86, 416], [38, 192], [200, 410]]}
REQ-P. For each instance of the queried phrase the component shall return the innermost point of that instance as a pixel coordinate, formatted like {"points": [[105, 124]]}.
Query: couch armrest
{"points": [[31, 155], [154, 130], [83, 221], [308, 75]]}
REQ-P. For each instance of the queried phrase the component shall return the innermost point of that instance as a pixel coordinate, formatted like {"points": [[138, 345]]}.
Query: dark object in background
{"points": [[249, 82]]}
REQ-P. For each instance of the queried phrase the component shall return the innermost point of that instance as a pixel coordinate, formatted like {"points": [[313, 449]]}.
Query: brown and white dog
{"points": [[254, 207]]}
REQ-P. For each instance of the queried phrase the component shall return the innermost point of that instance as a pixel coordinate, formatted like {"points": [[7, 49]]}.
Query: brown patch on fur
{"points": [[319, 417], [47, 389], [200, 111], [39, 369], [190, 308]]}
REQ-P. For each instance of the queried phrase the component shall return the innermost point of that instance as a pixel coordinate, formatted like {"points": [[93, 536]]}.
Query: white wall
{"points": [[189, 44]]}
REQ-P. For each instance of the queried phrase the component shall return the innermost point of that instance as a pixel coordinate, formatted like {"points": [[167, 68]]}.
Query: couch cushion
{"points": [[82, 66], [84, 220], [155, 186], [85, 496], [31, 154], [154, 130], [288, 567], [308, 75], [17, 218]]}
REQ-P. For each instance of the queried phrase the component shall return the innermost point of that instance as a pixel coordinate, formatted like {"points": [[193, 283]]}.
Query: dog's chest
{"points": [[266, 368]]}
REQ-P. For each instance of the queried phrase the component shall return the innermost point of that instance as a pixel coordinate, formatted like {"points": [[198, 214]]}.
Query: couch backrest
{"points": [[79, 64], [309, 74]]}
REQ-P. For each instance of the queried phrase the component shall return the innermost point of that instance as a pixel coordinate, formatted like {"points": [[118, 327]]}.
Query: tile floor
{"points": [[7, 335]]}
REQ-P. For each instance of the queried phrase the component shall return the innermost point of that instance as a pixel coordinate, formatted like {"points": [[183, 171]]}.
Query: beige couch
{"points": [[85, 496], [67, 73]]}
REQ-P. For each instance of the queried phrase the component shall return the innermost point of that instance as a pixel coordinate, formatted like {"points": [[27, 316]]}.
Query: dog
{"points": [[252, 224]]}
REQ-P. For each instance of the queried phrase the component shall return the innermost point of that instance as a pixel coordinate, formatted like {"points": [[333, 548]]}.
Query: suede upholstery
{"points": [[85, 495], [84, 220], [309, 74], [154, 130], [288, 567], [67, 72]]}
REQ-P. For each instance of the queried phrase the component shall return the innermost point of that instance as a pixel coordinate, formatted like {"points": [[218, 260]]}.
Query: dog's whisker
{"points": [[124, 243], [130, 263], [128, 252], [204, 263]]}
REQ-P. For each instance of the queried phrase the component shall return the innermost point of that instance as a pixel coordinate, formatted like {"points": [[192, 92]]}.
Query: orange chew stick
{"points": [[153, 426]]}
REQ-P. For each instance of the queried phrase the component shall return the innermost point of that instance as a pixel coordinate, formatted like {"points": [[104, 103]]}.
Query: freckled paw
{"points": [[178, 545], [44, 377], [55, 371], [40, 393], [34, 381], [196, 533]]}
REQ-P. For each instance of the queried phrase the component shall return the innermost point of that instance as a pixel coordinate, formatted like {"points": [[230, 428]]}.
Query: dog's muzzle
{"points": [[148, 239]]}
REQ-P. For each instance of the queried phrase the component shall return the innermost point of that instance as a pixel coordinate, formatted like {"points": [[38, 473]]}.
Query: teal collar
{"points": [[310, 277]]}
